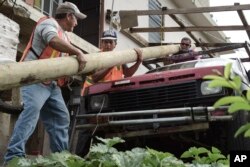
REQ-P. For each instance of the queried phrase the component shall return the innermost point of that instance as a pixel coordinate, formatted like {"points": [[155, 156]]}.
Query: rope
{"points": [[97, 123], [111, 16], [97, 116], [161, 33]]}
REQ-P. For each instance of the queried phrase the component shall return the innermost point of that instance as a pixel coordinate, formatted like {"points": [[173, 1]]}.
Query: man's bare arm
{"points": [[65, 47], [129, 71]]}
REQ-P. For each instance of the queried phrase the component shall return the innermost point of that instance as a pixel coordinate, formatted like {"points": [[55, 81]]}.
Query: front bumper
{"points": [[163, 117]]}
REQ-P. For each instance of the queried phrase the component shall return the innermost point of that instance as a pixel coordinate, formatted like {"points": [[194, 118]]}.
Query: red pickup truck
{"points": [[173, 101]]}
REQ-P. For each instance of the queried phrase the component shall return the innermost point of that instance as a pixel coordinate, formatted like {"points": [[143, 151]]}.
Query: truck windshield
{"points": [[197, 63], [175, 66]]}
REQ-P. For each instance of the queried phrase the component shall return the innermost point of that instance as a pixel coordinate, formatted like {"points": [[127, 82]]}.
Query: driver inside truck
{"points": [[185, 47]]}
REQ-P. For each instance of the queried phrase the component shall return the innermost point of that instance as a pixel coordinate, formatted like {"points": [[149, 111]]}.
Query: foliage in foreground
{"points": [[105, 155], [238, 101]]}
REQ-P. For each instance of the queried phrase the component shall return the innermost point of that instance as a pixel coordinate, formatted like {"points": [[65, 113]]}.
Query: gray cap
{"points": [[109, 34], [68, 7]]}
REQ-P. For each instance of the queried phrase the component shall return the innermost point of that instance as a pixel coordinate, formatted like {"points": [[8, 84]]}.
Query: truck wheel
{"points": [[239, 143]]}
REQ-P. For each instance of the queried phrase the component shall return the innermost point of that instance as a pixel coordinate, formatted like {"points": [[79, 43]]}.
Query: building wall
{"points": [[123, 42], [143, 21]]}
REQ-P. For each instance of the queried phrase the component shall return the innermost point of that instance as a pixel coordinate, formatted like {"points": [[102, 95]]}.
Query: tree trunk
{"points": [[18, 74]]}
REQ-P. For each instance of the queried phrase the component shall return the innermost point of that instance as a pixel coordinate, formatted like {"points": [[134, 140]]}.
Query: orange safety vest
{"points": [[48, 52], [115, 73]]}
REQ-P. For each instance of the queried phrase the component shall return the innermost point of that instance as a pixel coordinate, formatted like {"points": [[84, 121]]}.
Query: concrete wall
{"points": [[123, 42], [143, 21], [9, 31]]}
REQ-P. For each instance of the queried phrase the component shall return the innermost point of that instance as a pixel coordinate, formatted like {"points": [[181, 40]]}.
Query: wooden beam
{"points": [[247, 48], [193, 28], [29, 72], [187, 10], [184, 56], [176, 19], [243, 19], [245, 59], [139, 40]]}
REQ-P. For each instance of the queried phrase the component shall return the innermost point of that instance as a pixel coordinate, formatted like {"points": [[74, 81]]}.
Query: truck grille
{"points": [[153, 98]]}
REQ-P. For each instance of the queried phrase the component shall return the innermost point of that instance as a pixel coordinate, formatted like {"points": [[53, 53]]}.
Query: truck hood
{"points": [[171, 74]]}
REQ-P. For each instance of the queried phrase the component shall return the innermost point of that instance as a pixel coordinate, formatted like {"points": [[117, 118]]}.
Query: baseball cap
{"points": [[109, 34], [68, 7]]}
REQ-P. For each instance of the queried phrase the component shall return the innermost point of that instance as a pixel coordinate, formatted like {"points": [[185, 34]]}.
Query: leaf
{"points": [[238, 106], [193, 150], [129, 158], [158, 154], [215, 157], [20, 162], [213, 77], [224, 162], [248, 95], [111, 142], [215, 150], [228, 100], [242, 129], [220, 83], [247, 133], [227, 70], [102, 149], [196, 151], [171, 162], [61, 157], [237, 81], [202, 150], [186, 154]]}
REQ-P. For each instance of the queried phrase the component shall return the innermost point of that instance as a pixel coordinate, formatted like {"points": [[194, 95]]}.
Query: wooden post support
{"points": [[18, 74]]}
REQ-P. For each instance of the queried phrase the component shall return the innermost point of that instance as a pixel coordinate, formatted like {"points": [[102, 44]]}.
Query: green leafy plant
{"points": [[204, 156], [105, 155], [63, 159], [237, 102]]}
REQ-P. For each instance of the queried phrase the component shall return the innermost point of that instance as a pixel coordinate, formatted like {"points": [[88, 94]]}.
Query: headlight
{"points": [[205, 90], [99, 101]]}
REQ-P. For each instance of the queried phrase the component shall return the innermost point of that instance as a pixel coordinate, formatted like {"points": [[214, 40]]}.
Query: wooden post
{"points": [[18, 74]]}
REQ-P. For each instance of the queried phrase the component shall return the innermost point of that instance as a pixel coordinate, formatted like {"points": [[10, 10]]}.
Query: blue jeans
{"points": [[46, 102]]}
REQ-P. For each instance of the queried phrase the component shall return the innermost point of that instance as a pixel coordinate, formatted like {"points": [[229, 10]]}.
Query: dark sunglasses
{"points": [[186, 44]]}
